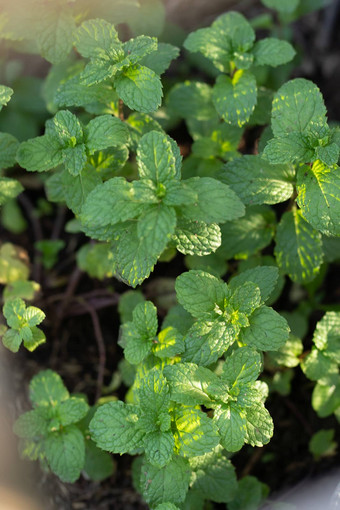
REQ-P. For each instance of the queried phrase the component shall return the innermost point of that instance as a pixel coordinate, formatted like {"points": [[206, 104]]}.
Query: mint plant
{"points": [[244, 193], [22, 324], [54, 431]]}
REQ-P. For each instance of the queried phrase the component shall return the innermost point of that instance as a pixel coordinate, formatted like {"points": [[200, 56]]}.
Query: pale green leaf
{"points": [[192, 99], [72, 410], [76, 188], [189, 383], [298, 107], [298, 249], [114, 427], [272, 52], [265, 277], [326, 396], [216, 202], [196, 237], [318, 365], [12, 340], [195, 433], [33, 316], [215, 478], [40, 154], [8, 149], [155, 158], [105, 131], [242, 367], [95, 35], [133, 261], [291, 148], [319, 197], [169, 483], [259, 425], [159, 448], [327, 335], [156, 227], [141, 46], [231, 423], [200, 293], [30, 424], [247, 235], [5, 95], [245, 299], [9, 188], [65, 453], [267, 330], [75, 159], [140, 88], [258, 182], [47, 389], [109, 203], [235, 98], [55, 36], [169, 343], [159, 60]]}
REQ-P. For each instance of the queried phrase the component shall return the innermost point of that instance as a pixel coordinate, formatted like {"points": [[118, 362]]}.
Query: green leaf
{"points": [[267, 330], [65, 453], [232, 427], [298, 107], [327, 337], [154, 394], [322, 444], [169, 483], [114, 427], [55, 36], [189, 383], [250, 492], [38, 338], [13, 264], [9, 188], [140, 88], [242, 367], [328, 154], [216, 202], [192, 99], [47, 389], [214, 477], [227, 39], [133, 260], [159, 60], [265, 277], [259, 425], [318, 365], [156, 227], [258, 182], [199, 292], [72, 410], [298, 249], [326, 396], [14, 311], [272, 52], [145, 319], [196, 237], [76, 188], [109, 203], [205, 342], [67, 128], [291, 148], [94, 36], [33, 316], [98, 464], [105, 131], [8, 149], [5, 95], [159, 448], [12, 340], [318, 197], [40, 154], [22, 289], [169, 343], [247, 235], [30, 424], [196, 433], [178, 193], [140, 47], [155, 158], [166, 506], [235, 98], [75, 159]]}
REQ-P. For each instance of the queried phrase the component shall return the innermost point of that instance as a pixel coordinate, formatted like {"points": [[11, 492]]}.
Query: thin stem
{"points": [[121, 109]]}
